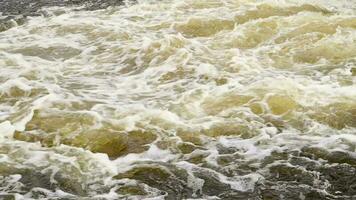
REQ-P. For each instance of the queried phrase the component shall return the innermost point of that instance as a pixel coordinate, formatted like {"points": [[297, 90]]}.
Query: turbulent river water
{"points": [[181, 99]]}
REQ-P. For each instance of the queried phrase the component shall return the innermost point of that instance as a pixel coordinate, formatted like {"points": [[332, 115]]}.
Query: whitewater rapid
{"points": [[203, 99]]}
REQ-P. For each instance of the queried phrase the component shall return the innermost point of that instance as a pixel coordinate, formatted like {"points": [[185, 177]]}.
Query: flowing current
{"points": [[181, 99]]}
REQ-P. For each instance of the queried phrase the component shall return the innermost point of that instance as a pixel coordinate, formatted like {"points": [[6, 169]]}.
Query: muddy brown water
{"points": [[205, 99]]}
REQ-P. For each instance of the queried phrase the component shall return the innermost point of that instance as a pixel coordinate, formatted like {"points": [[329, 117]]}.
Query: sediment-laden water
{"points": [[180, 99]]}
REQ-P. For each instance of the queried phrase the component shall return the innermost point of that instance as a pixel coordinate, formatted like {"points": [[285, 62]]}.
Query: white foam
{"points": [[6, 130]]}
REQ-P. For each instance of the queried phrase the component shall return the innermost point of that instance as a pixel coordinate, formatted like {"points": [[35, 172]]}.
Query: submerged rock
{"points": [[138, 141], [131, 190], [186, 148], [337, 115], [353, 71], [202, 28], [190, 136], [280, 104], [108, 141], [8, 197], [103, 140], [82, 130]]}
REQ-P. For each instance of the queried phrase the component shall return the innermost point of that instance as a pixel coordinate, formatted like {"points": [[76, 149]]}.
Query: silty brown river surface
{"points": [[180, 99]]}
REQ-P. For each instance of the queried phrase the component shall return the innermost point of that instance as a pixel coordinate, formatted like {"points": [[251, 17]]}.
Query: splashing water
{"points": [[213, 99]]}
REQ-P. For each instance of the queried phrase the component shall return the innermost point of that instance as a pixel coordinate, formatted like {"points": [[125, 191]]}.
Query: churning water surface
{"points": [[181, 99]]}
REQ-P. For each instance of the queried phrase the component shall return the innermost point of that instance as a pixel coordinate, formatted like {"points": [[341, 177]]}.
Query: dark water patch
{"points": [[314, 173], [32, 7], [174, 183], [11, 21], [292, 191], [332, 157], [31, 179], [291, 174], [170, 180], [342, 179], [15, 12]]}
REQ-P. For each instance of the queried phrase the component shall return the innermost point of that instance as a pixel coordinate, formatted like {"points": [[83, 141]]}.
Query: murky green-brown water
{"points": [[203, 99]]}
